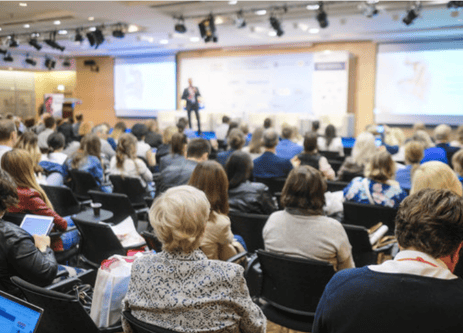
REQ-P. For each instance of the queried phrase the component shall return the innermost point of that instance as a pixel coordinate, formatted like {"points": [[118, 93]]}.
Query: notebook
{"points": [[18, 316], [37, 224]]}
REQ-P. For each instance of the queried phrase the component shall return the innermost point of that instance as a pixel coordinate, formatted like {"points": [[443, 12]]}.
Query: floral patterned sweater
{"points": [[382, 194]]}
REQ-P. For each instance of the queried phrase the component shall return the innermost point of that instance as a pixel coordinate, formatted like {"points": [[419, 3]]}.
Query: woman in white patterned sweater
{"points": [[179, 288]]}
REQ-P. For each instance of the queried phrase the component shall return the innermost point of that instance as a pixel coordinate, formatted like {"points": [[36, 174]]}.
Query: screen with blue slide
{"points": [[419, 82], [144, 86]]}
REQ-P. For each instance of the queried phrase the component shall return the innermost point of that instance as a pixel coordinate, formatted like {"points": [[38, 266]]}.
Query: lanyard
{"points": [[419, 259]]}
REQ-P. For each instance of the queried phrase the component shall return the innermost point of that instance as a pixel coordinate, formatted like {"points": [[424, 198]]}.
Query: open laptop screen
{"points": [[18, 316]]}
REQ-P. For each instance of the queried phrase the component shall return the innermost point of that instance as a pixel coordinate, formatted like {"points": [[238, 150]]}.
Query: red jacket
{"points": [[30, 202]]}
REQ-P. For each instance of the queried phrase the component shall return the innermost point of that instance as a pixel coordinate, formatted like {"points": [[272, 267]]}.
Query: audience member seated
{"points": [[102, 132], [286, 148], [21, 254], [164, 148], [178, 150], [88, 158], [245, 129], [457, 162], [316, 127], [127, 164], [442, 137], [76, 125], [84, 129], [363, 150], [395, 137], [153, 137], [118, 130], [235, 141], [243, 195], [378, 186], [29, 142], [255, 148], [198, 150], [436, 175], [8, 136], [32, 199], [459, 142], [331, 142], [222, 130], [431, 153], [53, 161], [179, 288], [50, 125], [269, 165], [311, 157], [143, 149], [218, 240], [65, 128], [395, 296], [268, 123], [413, 155], [301, 229]]}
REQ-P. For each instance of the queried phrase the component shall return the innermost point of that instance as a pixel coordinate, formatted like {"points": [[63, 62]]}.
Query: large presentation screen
{"points": [[144, 86], [420, 82]]}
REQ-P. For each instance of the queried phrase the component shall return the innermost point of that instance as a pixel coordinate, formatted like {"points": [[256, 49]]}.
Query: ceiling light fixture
{"points": [[207, 29], [118, 32], [314, 30], [180, 26], [164, 41], [240, 22], [62, 32], [276, 25], [260, 12], [95, 37], [34, 42], [8, 58], [232, 3], [315, 6], [57, 22], [50, 63], [91, 18], [22, 4], [66, 62], [26, 26], [194, 39], [30, 61], [322, 18], [412, 14]]}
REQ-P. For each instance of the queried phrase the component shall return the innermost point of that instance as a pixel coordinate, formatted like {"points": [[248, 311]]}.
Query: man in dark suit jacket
{"points": [[190, 95], [269, 165]]}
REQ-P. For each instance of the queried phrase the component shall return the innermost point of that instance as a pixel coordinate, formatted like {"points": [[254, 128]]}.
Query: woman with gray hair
{"points": [[179, 288]]}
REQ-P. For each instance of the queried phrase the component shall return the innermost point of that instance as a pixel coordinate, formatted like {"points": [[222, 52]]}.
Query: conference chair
{"points": [[139, 326], [331, 155], [82, 182], [63, 200], [117, 203], [249, 226], [62, 312], [152, 241], [368, 215], [99, 242], [275, 185], [334, 186], [290, 288], [348, 176], [130, 186]]}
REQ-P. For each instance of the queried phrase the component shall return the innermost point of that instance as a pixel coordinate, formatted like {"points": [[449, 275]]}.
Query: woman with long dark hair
{"points": [[331, 142]]}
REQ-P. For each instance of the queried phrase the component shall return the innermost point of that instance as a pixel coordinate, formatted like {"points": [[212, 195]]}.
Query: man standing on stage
{"points": [[190, 95]]}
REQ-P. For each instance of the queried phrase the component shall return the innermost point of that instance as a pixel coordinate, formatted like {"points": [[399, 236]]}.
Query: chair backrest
{"points": [[368, 215], [130, 186], [62, 313], [82, 182], [152, 241], [348, 176], [358, 238], [63, 200], [139, 326], [334, 186], [249, 226], [293, 284], [99, 241], [335, 165], [118, 203], [15, 218], [331, 155], [274, 184]]}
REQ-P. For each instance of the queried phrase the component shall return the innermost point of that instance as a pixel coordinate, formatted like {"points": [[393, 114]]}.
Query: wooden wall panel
{"points": [[47, 83]]}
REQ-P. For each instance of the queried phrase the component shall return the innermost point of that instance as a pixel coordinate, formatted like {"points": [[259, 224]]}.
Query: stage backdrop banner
{"points": [[54, 104]]}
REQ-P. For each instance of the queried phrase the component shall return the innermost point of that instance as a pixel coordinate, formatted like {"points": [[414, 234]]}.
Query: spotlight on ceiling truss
{"points": [[322, 18], [13, 42], [412, 14], [240, 22], [50, 63], [118, 32], [369, 8], [78, 37], [35, 43], [8, 58], [454, 4], [95, 38], [30, 61], [180, 25], [207, 29], [66, 63], [3, 51], [276, 25], [51, 41]]}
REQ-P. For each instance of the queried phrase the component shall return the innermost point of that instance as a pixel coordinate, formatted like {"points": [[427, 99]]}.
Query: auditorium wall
{"points": [[47, 83], [363, 78]]}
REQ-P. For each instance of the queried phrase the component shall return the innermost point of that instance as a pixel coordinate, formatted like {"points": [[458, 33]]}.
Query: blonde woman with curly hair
{"points": [[204, 295], [436, 175], [378, 187], [354, 165]]}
